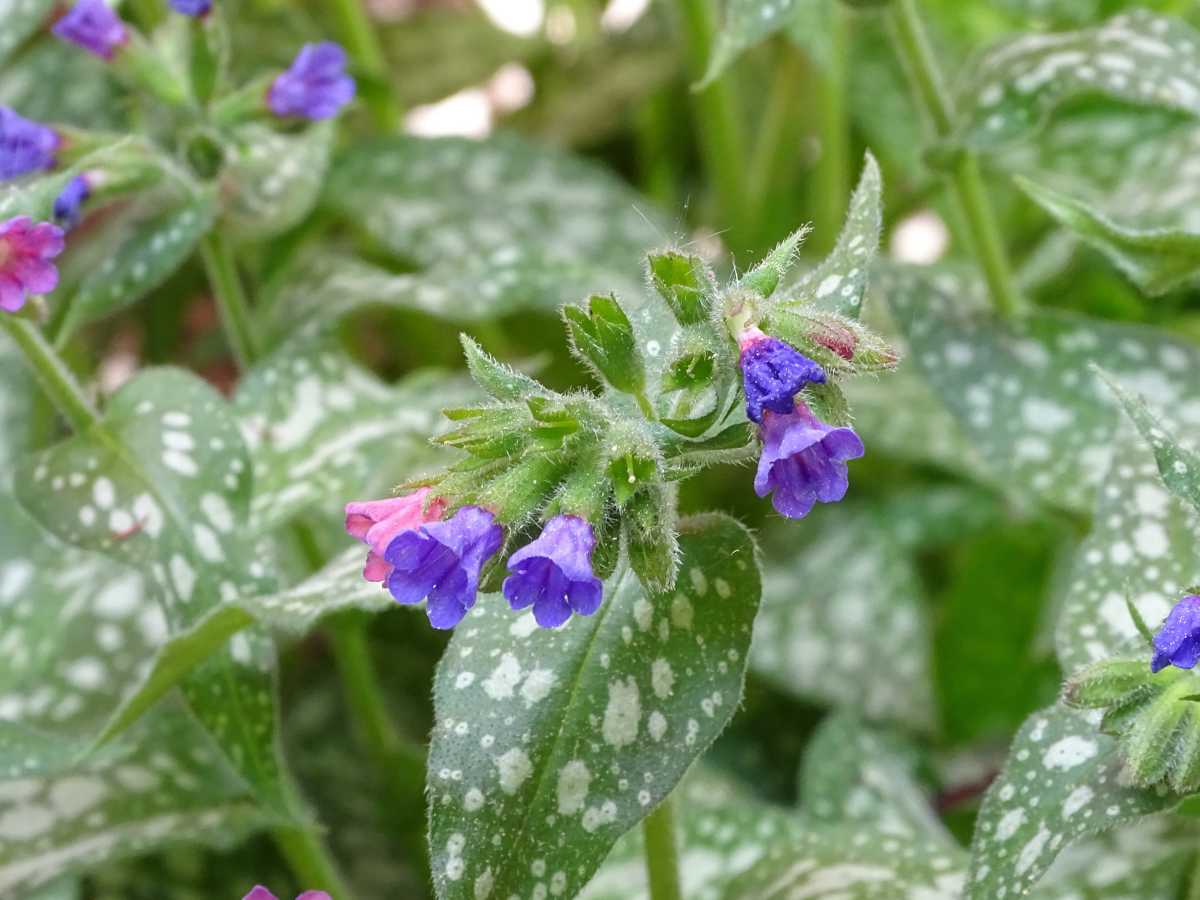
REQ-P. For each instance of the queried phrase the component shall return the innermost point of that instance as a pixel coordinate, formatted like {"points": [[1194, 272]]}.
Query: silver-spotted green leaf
{"points": [[150, 253], [549, 744], [839, 283], [721, 830], [824, 618], [22, 19], [747, 23], [272, 180], [164, 785], [1150, 858], [1155, 259], [1062, 782], [1137, 57], [35, 86], [1024, 392], [1142, 547], [17, 402]]}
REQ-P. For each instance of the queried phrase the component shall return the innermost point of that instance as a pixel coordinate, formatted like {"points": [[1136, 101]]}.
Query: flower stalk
{"points": [[662, 852]]}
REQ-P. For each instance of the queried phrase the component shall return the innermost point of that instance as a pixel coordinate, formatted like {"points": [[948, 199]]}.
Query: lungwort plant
{"points": [[387, 513]]}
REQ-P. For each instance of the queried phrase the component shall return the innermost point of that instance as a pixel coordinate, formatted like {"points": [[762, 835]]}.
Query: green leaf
{"points": [[839, 283], [1062, 783], [685, 281], [1142, 546], [17, 403], [271, 180], [825, 618], [22, 19], [1024, 392], [603, 337], [151, 252], [561, 740], [35, 87], [1155, 259], [747, 23], [1137, 57]]}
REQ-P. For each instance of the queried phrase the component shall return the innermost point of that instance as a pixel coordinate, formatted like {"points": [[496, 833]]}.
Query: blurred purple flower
{"points": [[68, 205], [378, 523], [194, 8], [441, 561], [773, 373], [315, 86], [553, 574], [26, 251], [258, 892], [1178, 641], [804, 461], [92, 25], [25, 146]]}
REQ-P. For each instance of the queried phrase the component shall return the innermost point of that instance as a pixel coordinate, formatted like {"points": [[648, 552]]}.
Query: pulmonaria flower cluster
{"points": [[378, 522], [92, 25], [1178, 641], [258, 892], [803, 459], [68, 205], [315, 86], [26, 251], [553, 574], [25, 146]]}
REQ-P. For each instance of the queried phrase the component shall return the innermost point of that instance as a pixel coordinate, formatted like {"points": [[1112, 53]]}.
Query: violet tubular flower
{"points": [[553, 573], [378, 522], [440, 562], [25, 146], [258, 892], [92, 25], [773, 372], [1178, 641], [804, 461], [26, 251], [68, 205], [315, 86], [193, 8]]}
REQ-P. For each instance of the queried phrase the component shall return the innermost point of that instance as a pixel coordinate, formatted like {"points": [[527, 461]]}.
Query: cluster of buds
{"points": [[561, 485], [315, 86]]}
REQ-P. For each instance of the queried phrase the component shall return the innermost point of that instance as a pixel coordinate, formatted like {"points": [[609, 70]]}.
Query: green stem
{"points": [[662, 853], [358, 34], [833, 167], [912, 45], [51, 373], [310, 860], [774, 147], [1193, 888], [720, 132], [231, 298]]}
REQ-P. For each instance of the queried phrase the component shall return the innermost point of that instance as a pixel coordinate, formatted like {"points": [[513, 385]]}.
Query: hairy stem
{"points": [[51, 372], [912, 45], [358, 33], [230, 297], [662, 852], [310, 860]]}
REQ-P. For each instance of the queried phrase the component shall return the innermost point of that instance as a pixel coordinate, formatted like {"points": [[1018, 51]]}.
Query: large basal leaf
{"points": [[21, 18], [747, 23], [549, 744], [824, 619], [1137, 57], [163, 484], [1062, 783], [1024, 392]]}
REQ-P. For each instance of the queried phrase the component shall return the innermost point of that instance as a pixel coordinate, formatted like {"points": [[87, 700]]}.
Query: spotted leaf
{"points": [[272, 180], [1062, 783], [16, 403], [22, 19], [549, 744], [747, 23]]}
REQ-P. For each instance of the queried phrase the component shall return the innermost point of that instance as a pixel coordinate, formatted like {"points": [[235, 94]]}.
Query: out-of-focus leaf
{"points": [[564, 739], [21, 18], [825, 617], [747, 22], [35, 87], [1151, 858], [1137, 57], [1062, 783], [16, 402]]}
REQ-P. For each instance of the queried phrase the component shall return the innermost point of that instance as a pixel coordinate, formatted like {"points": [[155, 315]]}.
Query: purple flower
{"points": [[1178, 641], [25, 146], [553, 574], [441, 561], [773, 372], [68, 205], [803, 461], [258, 892], [93, 26], [194, 8], [25, 253], [315, 86]]}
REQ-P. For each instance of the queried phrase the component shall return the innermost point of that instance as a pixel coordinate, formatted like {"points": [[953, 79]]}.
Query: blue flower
{"points": [[315, 86], [441, 561], [194, 8], [1178, 641], [553, 574], [92, 25], [68, 205], [773, 373], [25, 146], [804, 461]]}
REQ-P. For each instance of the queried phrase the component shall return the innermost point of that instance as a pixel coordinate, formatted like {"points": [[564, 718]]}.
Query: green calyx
{"points": [[685, 281], [602, 336]]}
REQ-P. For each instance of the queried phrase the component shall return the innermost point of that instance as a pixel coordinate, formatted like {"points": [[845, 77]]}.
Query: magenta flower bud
{"points": [[441, 562], [804, 461], [553, 574], [193, 8], [26, 251], [92, 25], [378, 522], [773, 372], [68, 205], [258, 892], [25, 146], [315, 86], [1178, 641]]}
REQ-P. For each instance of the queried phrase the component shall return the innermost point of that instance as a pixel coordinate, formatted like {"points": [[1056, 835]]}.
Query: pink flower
{"points": [[258, 892], [25, 253], [379, 522]]}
